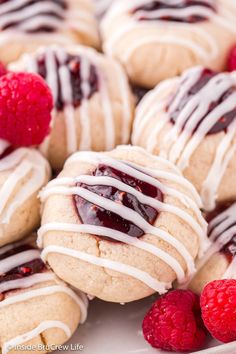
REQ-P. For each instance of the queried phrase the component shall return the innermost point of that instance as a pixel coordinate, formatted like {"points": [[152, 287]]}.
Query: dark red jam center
{"points": [[158, 5], [74, 65], [94, 215], [23, 270], [48, 28], [139, 92], [224, 121]]}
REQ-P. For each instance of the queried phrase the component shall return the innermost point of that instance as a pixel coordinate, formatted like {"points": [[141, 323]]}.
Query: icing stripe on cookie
{"points": [[221, 229], [67, 186], [25, 337], [16, 255], [26, 282], [208, 50], [49, 290], [180, 137], [127, 214], [43, 19], [144, 277], [30, 169], [28, 240], [58, 78], [115, 235], [146, 174], [14, 261], [28, 16], [109, 181]]}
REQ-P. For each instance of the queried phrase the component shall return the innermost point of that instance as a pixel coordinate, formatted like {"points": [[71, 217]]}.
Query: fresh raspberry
{"points": [[174, 322], [3, 69], [218, 304], [25, 106], [232, 59]]}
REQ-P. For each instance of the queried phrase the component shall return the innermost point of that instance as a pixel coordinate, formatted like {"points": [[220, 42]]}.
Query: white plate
{"points": [[116, 329]]}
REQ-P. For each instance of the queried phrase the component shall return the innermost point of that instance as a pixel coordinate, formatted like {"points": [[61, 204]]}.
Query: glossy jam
{"points": [[224, 121], [24, 270], [158, 5], [95, 215], [48, 28], [73, 63]]}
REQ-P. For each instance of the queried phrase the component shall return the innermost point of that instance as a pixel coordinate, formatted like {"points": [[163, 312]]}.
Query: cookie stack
{"points": [[118, 147]]}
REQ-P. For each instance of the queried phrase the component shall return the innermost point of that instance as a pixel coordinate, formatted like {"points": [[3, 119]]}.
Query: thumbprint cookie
{"points": [[159, 39], [121, 225], [93, 103], [26, 25], [191, 120], [23, 172]]}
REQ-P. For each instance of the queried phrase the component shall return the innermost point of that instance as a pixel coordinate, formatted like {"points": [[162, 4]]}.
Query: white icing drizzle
{"points": [[134, 272], [206, 51], [44, 147], [116, 235], [26, 282], [43, 326], [66, 186], [28, 240], [147, 110], [10, 262], [60, 78], [174, 12], [128, 214], [85, 140], [221, 231], [40, 11], [145, 154], [109, 181], [164, 39], [43, 14], [14, 261], [49, 290], [194, 202], [184, 142], [25, 163], [224, 154]]}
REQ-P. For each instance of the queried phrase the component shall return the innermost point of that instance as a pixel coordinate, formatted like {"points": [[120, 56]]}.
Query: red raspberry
{"points": [[232, 59], [3, 69], [218, 304], [174, 322], [25, 106]]}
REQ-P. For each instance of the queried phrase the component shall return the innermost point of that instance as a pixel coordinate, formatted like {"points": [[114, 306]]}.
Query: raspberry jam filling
{"points": [[193, 17], [73, 63], [24, 270], [224, 121], [61, 4], [94, 215]]}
